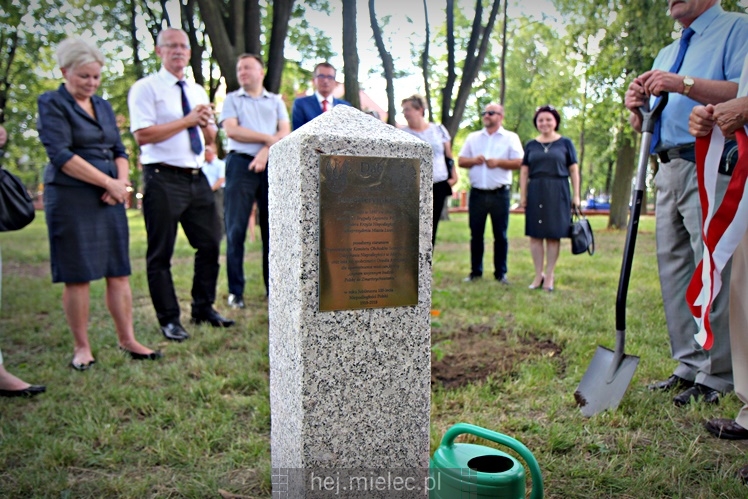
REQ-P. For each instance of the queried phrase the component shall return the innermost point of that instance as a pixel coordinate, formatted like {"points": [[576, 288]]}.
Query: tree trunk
{"points": [[620, 197], [425, 63], [387, 64], [451, 75], [480, 37], [187, 11], [134, 42], [253, 25], [223, 50], [275, 61], [350, 54], [5, 64], [503, 54]]}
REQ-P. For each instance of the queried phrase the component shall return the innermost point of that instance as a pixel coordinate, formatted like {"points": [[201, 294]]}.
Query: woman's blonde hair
{"points": [[74, 52]]}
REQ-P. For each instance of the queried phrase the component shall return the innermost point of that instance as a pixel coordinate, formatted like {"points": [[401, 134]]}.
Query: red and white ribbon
{"points": [[723, 226]]}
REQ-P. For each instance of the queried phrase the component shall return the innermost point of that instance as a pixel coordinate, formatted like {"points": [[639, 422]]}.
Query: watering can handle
{"points": [[517, 446]]}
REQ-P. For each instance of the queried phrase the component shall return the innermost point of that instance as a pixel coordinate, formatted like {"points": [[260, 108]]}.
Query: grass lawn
{"points": [[197, 423]]}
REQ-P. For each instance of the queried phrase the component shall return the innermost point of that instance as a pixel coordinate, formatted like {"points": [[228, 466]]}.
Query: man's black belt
{"points": [[686, 152], [243, 155], [179, 169], [495, 189]]}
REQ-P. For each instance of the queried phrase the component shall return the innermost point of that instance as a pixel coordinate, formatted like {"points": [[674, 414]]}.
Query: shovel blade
{"points": [[598, 391]]}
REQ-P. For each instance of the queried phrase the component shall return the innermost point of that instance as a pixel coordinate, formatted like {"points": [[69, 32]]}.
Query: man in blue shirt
{"points": [[709, 74], [254, 119]]}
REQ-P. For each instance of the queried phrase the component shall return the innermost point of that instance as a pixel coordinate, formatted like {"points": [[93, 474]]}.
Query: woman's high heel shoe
{"points": [[539, 286]]}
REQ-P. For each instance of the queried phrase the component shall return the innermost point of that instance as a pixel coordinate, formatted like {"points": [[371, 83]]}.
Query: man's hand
{"points": [[730, 116], [259, 163], [3, 136], [636, 96], [656, 81], [701, 120]]}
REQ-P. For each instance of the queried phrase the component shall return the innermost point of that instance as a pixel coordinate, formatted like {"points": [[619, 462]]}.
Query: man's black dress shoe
{"points": [[213, 318], [697, 392], [174, 332], [671, 383], [726, 428], [143, 356], [26, 392]]}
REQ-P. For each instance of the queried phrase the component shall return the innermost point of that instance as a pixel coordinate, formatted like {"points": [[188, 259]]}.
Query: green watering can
{"points": [[473, 471]]}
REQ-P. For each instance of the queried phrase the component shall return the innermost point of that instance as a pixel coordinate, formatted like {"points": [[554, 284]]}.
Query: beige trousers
{"points": [[739, 326]]}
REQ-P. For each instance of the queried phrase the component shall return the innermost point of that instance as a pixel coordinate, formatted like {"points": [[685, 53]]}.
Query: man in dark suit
{"points": [[307, 108]]}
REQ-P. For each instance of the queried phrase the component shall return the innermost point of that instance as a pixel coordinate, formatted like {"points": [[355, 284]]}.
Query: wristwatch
{"points": [[687, 84]]}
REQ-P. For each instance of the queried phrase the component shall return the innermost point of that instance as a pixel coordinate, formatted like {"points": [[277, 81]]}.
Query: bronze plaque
{"points": [[368, 216]]}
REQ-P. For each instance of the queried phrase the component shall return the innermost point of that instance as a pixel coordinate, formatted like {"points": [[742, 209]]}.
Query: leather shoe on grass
{"points": [[671, 383], [213, 318], [29, 391], [726, 429], [143, 356], [697, 392], [174, 332]]}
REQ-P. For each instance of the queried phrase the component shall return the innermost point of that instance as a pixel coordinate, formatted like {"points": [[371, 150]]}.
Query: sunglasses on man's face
{"points": [[491, 113]]}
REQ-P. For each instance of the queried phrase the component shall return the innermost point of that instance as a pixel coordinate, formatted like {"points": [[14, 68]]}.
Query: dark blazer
{"points": [[305, 109], [66, 129]]}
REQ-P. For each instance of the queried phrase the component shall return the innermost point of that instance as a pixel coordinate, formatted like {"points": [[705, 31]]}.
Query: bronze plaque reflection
{"points": [[368, 215]]}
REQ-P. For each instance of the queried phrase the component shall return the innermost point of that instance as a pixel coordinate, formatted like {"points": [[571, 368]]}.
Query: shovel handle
{"points": [[461, 428], [651, 111]]}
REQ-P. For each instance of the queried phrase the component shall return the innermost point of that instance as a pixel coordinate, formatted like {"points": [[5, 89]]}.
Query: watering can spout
{"points": [[476, 471]]}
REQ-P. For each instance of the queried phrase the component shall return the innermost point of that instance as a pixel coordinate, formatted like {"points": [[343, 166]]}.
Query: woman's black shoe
{"points": [[143, 356], [26, 392]]}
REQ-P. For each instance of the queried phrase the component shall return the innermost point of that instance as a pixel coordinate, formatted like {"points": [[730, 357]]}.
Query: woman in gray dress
{"points": [[85, 186], [550, 161]]}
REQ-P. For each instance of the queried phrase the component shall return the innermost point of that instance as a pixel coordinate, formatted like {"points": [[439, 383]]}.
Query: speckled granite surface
{"points": [[348, 388]]}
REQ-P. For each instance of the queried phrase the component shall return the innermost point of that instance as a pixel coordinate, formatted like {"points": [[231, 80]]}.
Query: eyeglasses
{"points": [[491, 113], [325, 77], [545, 108], [172, 46]]}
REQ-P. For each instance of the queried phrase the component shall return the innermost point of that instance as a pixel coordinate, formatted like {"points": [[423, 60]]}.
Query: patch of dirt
{"points": [[16, 269], [477, 352]]}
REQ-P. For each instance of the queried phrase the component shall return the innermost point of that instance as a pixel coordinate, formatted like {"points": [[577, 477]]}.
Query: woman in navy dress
{"points": [[85, 186], [550, 160]]}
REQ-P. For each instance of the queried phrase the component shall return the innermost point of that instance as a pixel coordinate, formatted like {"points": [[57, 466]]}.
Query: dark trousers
{"points": [[483, 203], [243, 188], [442, 190], [178, 197]]}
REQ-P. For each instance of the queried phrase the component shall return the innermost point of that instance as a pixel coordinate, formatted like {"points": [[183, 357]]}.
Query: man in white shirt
{"points": [[172, 121], [215, 171], [490, 156]]}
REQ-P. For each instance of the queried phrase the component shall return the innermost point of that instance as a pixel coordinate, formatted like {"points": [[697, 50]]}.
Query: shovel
{"points": [[610, 372]]}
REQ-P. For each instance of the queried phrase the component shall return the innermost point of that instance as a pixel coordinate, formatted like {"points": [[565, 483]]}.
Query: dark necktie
{"points": [[195, 144], [324, 106], [684, 39]]}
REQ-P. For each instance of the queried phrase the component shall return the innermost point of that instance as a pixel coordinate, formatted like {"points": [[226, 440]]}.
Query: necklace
{"points": [[546, 147]]}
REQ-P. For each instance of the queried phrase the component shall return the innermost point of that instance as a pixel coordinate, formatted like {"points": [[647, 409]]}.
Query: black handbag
{"points": [[16, 207], [580, 233]]}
